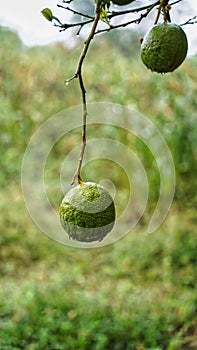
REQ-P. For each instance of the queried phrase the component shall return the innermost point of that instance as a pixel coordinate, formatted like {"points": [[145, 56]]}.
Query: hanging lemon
{"points": [[164, 47], [87, 212]]}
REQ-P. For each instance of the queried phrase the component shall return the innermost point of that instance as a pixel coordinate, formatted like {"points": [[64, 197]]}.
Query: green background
{"points": [[138, 293]]}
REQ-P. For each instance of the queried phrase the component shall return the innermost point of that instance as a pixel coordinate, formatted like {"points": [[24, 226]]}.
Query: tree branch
{"points": [[113, 14], [110, 15], [138, 9], [79, 75], [137, 20], [75, 12], [192, 20]]}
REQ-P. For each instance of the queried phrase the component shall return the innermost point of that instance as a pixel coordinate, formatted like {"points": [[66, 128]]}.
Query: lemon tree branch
{"points": [[75, 12], [79, 75], [192, 20], [125, 24], [133, 10]]}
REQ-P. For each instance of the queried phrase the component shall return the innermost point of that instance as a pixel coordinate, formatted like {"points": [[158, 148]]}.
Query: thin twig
{"points": [[111, 15], [70, 25], [175, 2], [133, 10], [164, 7], [159, 11], [79, 75], [125, 24], [192, 20], [75, 12]]}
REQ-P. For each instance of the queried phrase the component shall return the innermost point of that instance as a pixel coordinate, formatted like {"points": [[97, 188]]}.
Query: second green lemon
{"points": [[164, 47]]}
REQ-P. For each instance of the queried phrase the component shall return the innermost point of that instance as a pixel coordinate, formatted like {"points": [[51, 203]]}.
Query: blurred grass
{"points": [[139, 293]]}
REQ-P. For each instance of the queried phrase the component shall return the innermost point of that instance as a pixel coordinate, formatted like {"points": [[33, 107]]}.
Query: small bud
{"points": [[168, 7], [47, 13]]}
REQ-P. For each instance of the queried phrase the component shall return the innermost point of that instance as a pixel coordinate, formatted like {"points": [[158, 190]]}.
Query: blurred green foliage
{"points": [[139, 293]]}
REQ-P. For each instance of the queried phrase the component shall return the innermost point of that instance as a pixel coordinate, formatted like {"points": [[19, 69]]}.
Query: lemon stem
{"points": [[165, 7], [79, 75]]}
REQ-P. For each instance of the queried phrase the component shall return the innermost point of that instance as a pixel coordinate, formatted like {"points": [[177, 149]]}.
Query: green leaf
{"points": [[104, 16], [47, 13]]}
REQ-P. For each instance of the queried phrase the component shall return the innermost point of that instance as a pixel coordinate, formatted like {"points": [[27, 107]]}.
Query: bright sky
{"points": [[24, 17]]}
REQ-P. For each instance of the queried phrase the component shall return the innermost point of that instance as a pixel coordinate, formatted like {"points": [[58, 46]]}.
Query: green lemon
{"points": [[87, 212], [122, 2], [164, 47]]}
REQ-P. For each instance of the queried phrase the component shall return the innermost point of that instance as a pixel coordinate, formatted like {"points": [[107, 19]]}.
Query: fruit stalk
{"points": [[162, 6], [79, 75]]}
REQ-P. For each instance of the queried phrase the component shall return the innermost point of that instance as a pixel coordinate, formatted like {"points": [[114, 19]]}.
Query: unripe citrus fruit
{"points": [[164, 47], [121, 2], [87, 212]]}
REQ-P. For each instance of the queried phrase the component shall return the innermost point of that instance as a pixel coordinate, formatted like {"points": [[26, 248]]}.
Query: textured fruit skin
{"points": [[87, 212], [164, 47], [122, 2]]}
